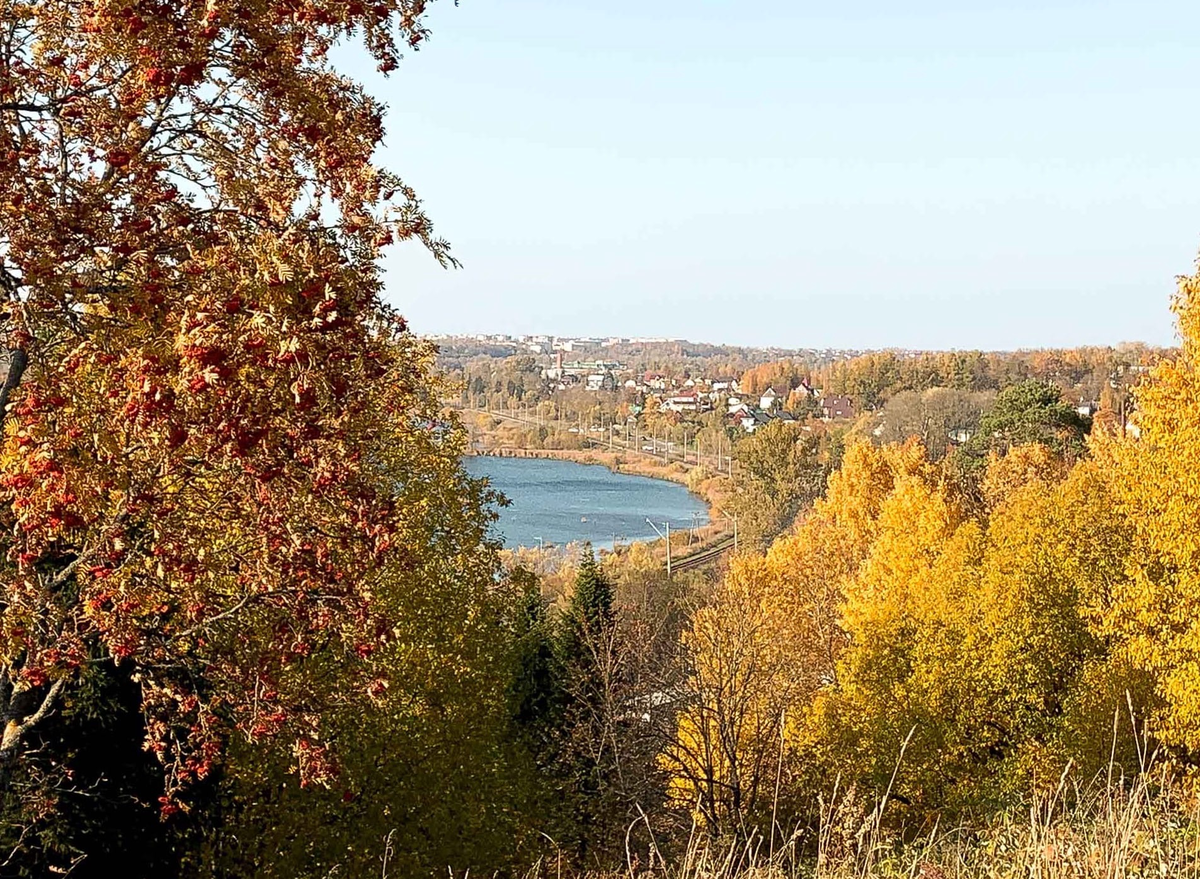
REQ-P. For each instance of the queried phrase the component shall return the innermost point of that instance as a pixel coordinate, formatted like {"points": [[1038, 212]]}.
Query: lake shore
{"points": [[710, 488], [686, 542]]}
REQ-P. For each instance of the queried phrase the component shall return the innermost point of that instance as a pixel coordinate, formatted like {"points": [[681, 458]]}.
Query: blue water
{"points": [[561, 502]]}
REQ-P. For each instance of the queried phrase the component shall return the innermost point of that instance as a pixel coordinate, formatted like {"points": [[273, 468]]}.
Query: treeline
{"points": [[783, 467], [1085, 374]]}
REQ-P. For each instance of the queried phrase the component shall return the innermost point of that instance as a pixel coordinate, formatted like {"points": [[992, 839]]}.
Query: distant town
{"points": [[614, 365], [748, 388]]}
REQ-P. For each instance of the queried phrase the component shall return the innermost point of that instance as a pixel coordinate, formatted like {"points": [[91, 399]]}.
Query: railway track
{"points": [[703, 557]]}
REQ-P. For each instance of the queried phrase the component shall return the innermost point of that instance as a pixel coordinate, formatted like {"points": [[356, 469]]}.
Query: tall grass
{"points": [[1108, 828]]}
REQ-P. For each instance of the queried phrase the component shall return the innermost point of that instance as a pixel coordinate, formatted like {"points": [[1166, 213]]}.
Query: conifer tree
{"points": [[591, 664], [590, 616], [535, 693]]}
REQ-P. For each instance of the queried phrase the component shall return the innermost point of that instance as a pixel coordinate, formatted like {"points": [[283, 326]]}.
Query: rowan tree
{"points": [[214, 430]]}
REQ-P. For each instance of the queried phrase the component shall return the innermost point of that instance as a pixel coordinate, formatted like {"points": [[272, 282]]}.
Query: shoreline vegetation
{"points": [[711, 489], [494, 437], [490, 437]]}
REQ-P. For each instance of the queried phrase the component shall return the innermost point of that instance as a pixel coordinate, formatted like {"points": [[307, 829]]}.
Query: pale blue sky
{"points": [[856, 174]]}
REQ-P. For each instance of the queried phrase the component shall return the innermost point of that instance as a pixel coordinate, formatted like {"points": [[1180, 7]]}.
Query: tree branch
{"points": [[14, 731], [18, 360]]}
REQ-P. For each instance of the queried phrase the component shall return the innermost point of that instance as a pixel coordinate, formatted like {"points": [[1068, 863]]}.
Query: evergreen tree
{"points": [[535, 693], [590, 658], [1032, 412], [590, 616]]}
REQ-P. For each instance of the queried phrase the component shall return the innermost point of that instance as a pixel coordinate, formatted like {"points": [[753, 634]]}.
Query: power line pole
{"points": [[668, 550], [667, 538]]}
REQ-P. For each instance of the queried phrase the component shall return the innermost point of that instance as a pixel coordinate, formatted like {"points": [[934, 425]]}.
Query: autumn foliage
{"points": [[214, 430], [227, 488], [961, 641]]}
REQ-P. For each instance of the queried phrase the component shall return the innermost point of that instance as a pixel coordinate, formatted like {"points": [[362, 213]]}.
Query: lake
{"points": [[561, 502]]}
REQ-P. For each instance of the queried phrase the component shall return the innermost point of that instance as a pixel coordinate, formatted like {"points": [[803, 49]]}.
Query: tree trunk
{"points": [[18, 360]]}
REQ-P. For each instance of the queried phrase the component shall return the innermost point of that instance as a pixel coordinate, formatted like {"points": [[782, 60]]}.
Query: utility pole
{"points": [[668, 550], [735, 536], [667, 538]]}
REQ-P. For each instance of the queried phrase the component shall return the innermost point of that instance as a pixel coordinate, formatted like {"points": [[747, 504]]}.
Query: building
{"points": [[750, 419], [690, 400], [834, 407], [768, 400], [742, 417], [600, 381], [655, 381]]}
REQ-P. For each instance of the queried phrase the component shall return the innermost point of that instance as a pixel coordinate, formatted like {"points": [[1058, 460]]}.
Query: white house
{"points": [[685, 401], [600, 381], [655, 380]]}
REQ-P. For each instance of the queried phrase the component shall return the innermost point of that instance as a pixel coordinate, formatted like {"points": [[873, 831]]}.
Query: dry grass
{"points": [[1108, 829]]}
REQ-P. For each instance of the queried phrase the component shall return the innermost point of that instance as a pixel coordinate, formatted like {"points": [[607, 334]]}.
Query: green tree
{"points": [[431, 763], [590, 614], [1032, 412], [535, 693], [781, 470], [592, 672]]}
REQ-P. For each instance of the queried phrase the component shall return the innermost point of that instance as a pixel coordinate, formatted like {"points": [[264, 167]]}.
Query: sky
{"points": [[800, 174]]}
